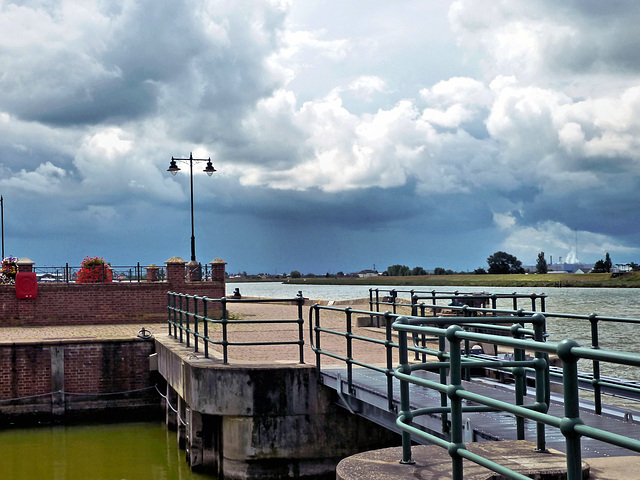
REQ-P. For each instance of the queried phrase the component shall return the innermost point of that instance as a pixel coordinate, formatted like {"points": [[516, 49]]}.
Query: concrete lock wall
{"points": [[260, 422], [53, 379]]}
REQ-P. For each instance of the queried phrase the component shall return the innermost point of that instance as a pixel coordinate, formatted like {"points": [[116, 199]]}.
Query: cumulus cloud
{"points": [[558, 240]]}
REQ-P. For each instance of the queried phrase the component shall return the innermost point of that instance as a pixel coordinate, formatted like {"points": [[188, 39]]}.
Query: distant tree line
{"points": [[498, 263]]}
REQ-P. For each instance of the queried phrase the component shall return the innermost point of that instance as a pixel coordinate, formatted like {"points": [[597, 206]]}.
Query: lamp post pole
{"points": [[2, 222], [173, 169]]}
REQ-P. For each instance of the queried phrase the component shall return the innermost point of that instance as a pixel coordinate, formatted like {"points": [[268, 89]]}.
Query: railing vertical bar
{"points": [[595, 344], [301, 325], [205, 327], [456, 402], [389, 352], [571, 408], [169, 297], [443, 380], [520, 384], [181, 312], [542, 381], [349, 338], [187, 315], [195, 324], [405, 402], [225, 341]]}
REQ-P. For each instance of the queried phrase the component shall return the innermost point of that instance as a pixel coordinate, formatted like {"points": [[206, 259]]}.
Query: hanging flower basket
{"points": [[94, 270], [9, 270]]}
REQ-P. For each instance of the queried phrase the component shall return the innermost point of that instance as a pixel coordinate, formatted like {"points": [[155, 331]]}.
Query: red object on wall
{"points": [[26, 285]]}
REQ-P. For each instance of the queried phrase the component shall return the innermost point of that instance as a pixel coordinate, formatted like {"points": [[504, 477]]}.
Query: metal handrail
{"points": [[458, 359], [184, 318], [120, 273], [538, 301], [571, 426], [68, 273]]}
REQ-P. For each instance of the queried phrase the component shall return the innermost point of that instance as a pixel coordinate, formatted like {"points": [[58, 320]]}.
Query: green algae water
{"points": [[122, 451]]}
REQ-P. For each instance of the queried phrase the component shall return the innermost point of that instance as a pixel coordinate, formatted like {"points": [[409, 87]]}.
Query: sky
{"points": [[345, 135]]}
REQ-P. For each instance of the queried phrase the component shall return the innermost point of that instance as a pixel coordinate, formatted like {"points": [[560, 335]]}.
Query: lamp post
{"points": [[2, 223], [173, 169]]}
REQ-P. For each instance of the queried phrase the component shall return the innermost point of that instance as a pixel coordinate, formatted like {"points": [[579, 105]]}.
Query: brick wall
{"points": [[104, 303], [31, 372]]}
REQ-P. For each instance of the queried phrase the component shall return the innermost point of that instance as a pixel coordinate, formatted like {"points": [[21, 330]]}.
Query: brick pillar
{"points": [[25, 265], [218, 270], [193, 271], [152, 273], [175, 273]]}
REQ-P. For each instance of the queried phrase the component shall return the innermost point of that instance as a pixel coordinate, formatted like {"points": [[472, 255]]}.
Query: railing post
{"points": [[301, 325], [388, 343], [169, 311], [371, 299], [533, 302], [444, 417], [187, 315], [394, 295], [520, 380], [195, 324], [181, 312], [434, 302], [595, 344], [405, 403], [316, 326], [456, 402], [349, 336], [542, 381], [225, 342], [571, 408], [205, 327]]}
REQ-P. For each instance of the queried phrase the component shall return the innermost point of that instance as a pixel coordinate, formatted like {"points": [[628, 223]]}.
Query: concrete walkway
{"points": [[434, 463]]}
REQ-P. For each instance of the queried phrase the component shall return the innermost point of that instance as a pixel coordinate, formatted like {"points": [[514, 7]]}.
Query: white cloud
{"points": [[46, 180], [558, 240]]}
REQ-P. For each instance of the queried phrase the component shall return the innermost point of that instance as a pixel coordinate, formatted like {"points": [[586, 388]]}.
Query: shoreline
{"points": [[564, 280]]}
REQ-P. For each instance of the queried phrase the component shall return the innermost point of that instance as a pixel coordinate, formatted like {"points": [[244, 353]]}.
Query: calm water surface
{"points": [[128, 451]]}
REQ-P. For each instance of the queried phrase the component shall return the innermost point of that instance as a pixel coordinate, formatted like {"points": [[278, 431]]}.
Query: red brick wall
{"points": [[77, 304], [24, 370], [99, 367]]}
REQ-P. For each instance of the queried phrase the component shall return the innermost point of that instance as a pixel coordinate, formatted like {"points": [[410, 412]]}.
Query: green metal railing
{"points": [[456, 331], [394, 297], [571, 426], [191, 317]]}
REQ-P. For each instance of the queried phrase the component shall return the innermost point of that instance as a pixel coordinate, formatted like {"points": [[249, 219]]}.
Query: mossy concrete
{"points": [[262, 421]]}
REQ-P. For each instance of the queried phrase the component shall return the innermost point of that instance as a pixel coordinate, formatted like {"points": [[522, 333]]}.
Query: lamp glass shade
{"points": [[209, 168], [173, 167]]}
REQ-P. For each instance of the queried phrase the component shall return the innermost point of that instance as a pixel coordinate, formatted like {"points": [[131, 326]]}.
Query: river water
{"points": [[147, 451], [124, 451], [619, 302]]}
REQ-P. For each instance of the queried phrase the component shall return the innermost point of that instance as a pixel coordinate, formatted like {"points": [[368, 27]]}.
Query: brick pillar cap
{"points": [[218, 260], [193, 262], [153, 265], [26, 261], [174, 260]]}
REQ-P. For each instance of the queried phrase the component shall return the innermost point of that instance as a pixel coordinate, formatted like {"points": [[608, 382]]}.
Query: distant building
{"points": [[367, 273], [570, 267]]}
